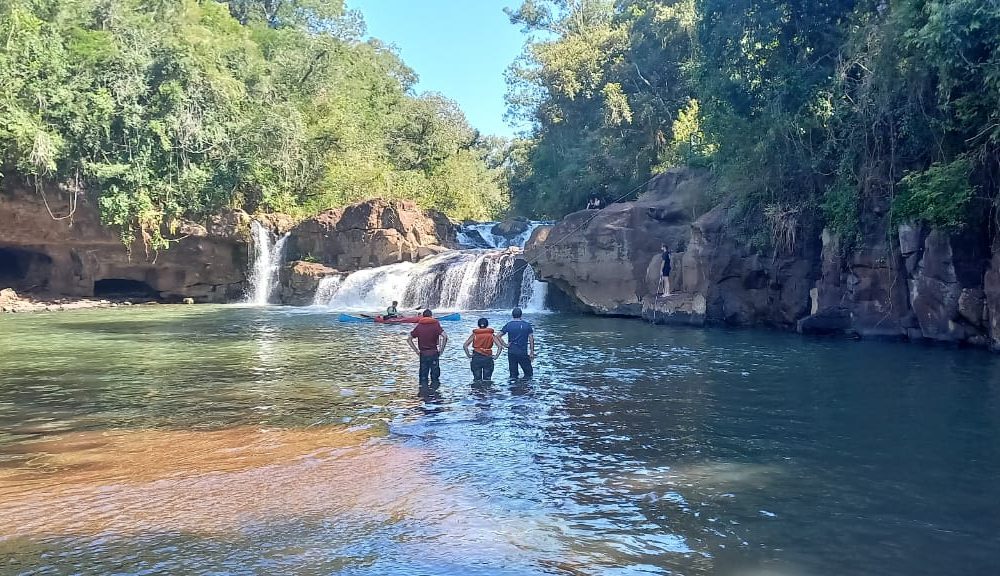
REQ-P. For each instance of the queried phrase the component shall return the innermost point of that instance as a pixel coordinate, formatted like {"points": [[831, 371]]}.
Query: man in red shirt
{"points": [[430, 340]]}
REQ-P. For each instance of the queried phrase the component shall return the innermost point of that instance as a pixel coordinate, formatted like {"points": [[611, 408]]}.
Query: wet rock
{"points": [[188, 301], [600, 259], [299, 281], [511, 227], [371, 233], [833, 320], [677, 309]]}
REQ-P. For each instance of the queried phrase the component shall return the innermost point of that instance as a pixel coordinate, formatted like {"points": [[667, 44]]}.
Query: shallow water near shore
{"points": [[241, 440]]}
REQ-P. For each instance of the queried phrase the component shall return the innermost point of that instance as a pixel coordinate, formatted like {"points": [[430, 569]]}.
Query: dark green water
{"points": [[227, 440]]}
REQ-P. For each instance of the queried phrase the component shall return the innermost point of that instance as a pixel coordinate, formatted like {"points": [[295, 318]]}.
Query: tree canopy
{"points": [[829, 109], [177, 108]]}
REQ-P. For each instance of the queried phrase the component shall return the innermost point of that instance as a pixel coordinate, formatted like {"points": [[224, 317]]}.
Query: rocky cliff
{"points": [[906, 282], [63, 249], [371, 233]]}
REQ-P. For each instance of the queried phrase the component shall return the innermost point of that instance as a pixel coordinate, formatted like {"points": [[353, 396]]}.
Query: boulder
{"points": [[511, 227], [77, 256], [299, 281], [678, 309], [371, 233], [832, 320], [601, 258]]}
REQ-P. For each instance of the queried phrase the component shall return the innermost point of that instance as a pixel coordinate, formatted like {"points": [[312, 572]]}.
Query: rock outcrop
{"points": [[63, 249], [299, 281], [902, 282], [600, 258], [372, 233]]}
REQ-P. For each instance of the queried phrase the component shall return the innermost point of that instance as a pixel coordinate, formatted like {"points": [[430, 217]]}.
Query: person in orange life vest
{"points": [[427, 341], [482, 356]]}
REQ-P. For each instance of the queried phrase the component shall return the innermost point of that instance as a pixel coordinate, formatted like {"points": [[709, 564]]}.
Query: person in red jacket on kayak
{"points": [[427, 341], [482, 356]]}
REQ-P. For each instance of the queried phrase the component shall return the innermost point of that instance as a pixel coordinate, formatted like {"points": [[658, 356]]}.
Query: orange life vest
{"points": [[482, 341]]}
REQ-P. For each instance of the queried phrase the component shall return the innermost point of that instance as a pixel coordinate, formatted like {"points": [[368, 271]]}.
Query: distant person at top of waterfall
{"points": [[520, 344], [664, 287], [391, 311], [594, 203], [482, 340], [427, 341]]}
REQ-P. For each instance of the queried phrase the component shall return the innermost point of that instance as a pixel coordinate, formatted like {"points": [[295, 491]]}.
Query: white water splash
{"points": [[327, 288], [480, 235], [533, 292], [268, 257]]}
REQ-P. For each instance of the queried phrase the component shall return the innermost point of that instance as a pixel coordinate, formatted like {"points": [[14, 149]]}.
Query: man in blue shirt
{"points": [[520, 344]]}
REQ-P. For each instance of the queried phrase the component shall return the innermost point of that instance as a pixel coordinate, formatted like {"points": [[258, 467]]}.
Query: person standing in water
{"points": [[664, 287], [427, 340], [482, 341], [520, 345]]}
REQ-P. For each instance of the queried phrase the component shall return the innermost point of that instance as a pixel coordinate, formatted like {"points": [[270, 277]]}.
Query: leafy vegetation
{"points": [[164, 109], [823, 110]]}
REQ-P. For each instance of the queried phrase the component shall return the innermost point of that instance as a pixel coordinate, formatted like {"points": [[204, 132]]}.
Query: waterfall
{"points": [[456, 280], [328, 286], [533, 292], [489, 274], [268, 257], [480, 235]]}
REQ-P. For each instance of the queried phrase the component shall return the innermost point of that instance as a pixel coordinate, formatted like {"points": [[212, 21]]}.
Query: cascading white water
{"points": [[327, 288], [480, 235], [533, 292], [491, 275], [268, 257]]}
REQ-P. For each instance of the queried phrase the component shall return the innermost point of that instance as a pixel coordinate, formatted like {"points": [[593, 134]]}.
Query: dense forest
{"points": [[163, 109], [827, 110]]}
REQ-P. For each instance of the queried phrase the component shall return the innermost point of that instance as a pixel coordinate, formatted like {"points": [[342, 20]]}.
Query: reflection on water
{"points": [[256, 440]]}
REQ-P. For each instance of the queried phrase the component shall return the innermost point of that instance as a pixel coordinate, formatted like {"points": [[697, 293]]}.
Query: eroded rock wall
{"points": [[901, 282], [371, 233], [63, 249]]}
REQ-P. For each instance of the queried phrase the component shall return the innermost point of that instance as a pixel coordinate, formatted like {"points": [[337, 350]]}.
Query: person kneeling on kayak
{"points": [[430, 342], [482, 356], [391, 311]]}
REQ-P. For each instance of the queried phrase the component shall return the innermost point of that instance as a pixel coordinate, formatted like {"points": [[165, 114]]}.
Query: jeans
{"points": [[430, 365], [482, 366], [513, 361]]}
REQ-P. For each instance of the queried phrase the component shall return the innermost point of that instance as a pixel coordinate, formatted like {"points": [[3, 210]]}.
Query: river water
{"points": [[237, 440]]}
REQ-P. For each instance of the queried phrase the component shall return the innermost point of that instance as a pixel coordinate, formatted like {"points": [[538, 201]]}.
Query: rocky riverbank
{"points": [[908, 282], [12, 303]]}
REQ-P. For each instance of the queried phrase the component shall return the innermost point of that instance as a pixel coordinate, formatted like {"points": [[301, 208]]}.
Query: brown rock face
{"points": [[77, 256], [372, 233], [299, 281], [600, 258]]}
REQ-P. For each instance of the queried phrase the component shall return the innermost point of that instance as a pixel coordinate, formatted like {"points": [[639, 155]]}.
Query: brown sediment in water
{"points": [[204, 482]]}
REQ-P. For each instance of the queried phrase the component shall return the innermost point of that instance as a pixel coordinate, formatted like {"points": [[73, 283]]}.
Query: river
{"points": [[242, 440]]}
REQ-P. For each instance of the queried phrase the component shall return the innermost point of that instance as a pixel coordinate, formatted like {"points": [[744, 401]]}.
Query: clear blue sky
{"points": [[459, 48]]}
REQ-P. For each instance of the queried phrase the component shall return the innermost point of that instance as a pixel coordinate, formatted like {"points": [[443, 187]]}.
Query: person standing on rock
{"points": [[427, 340], [520, 345], [664, 288], [482, 340]]}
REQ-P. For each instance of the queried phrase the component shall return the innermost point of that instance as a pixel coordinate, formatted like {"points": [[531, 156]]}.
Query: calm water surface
{"points": [[228, 440]]}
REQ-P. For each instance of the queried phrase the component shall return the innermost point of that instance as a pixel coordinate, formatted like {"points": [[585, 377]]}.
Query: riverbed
{"points": [[266, 440]]}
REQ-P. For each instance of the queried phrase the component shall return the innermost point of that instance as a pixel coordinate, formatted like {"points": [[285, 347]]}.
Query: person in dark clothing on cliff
{"points": [[520, 345], [664, 287], [427, 340]]}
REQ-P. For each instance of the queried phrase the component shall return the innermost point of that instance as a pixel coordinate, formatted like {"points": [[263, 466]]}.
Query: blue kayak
{"points": [[397, 320]]}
